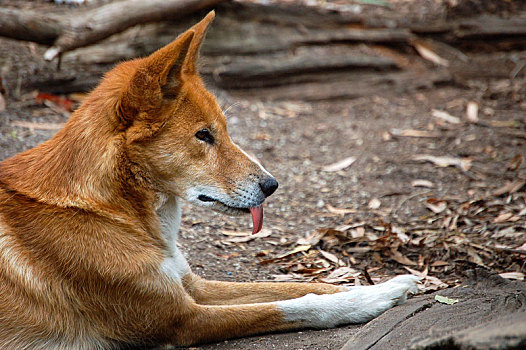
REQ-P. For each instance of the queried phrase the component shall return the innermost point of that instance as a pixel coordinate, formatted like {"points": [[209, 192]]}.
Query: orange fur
{"points": [[81, 242]]}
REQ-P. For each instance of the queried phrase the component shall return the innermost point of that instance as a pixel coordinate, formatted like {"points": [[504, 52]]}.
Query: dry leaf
{"points": [[475, 258], [439, 263], [242, 239], [414, 133], [374, 203], [462, 163], [430, 282], [359, 232], [399, 258], [421, 275], [298, 249], [56, 100], [512, 275], [342, 274], [340, 211], [403, 237], [313, 238], [436, 206], [371, 236], [286, 278], [508, 232], [510, 187], [503, 217], [343, 228], [340, 165], [331, 257], [358, 250], [430, 55], [472, 112], [422, 183], [446, 300], [236, 233], [445, 116]]}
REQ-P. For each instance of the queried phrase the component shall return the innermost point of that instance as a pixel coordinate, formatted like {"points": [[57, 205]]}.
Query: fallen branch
{"points": [[88, 27]]}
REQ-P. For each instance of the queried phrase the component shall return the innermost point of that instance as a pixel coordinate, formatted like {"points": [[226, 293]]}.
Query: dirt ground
{"points": [[427, 193]]}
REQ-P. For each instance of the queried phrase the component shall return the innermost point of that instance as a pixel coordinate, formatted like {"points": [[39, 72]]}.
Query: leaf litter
{"points": [[458, 233], [431, 247]]}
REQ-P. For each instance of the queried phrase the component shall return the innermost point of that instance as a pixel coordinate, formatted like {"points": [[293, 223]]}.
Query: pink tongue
{"points": [[257, 218]]}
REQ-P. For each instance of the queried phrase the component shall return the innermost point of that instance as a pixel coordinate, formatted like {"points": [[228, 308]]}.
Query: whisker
{"points": [[226, 110]]}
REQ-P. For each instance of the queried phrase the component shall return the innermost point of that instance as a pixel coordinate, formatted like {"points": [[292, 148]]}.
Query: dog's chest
{"points": [[174, 265]]}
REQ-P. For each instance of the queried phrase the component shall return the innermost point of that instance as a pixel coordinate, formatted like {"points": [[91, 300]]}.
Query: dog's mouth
{"points": [[256, 212]]}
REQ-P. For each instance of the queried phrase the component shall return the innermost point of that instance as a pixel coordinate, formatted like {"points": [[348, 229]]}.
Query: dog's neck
{"points": [[174, 265], [169, 210], [74, 168], [81, 166]]}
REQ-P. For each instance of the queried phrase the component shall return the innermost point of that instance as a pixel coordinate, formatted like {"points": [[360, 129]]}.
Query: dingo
{"points": [[89, 219]]}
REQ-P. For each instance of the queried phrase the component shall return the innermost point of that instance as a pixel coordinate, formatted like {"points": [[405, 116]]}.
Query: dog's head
{"points": [[176, 134]]}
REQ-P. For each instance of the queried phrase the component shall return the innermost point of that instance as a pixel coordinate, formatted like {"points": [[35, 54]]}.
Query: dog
{"points": [[89, 220]]}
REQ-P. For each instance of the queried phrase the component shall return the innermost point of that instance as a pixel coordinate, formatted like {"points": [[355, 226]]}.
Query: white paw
{"points": [[410, 280], [357, 305], [399, 287]]}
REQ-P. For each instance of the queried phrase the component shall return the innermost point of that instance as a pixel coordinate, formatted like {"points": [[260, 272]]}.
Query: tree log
{"points": [[284, 51], [29, 26], [490, 314], [88, 27], [347, 86], [294, 69]]}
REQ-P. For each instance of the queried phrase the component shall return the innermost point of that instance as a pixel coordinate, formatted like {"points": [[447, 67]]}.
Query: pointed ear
{"points": [[167, 63], [156, 77], [200, 33]]}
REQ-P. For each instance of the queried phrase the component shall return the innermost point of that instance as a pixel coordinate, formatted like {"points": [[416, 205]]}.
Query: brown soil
{"points": [[465, 218]]}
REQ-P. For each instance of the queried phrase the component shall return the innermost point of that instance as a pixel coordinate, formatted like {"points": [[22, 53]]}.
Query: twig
{"points": [[368, 277]]}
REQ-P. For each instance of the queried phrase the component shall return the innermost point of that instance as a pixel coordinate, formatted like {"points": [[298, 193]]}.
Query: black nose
{"points": [[268, 186]]}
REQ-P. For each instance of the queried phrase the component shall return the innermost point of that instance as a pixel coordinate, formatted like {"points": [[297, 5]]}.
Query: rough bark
{"points": [[490, 314], [284, 51], [87, 27]]}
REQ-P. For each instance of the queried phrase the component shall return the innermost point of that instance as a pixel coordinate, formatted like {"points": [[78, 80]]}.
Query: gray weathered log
{"points": [[490, 27], [30, 26], [490, 314], [87, 27], [341, 85], [264, 72]]}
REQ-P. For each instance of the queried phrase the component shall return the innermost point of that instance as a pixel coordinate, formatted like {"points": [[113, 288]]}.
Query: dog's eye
{"points": [[205, 135]]}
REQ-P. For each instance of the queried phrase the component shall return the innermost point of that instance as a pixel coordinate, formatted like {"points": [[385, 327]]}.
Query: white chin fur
{"points": [[232, 208]]}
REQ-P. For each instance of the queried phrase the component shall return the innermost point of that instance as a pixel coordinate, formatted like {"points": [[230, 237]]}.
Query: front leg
{"points": [[208, 323], [231, 293], [358, 305]]}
